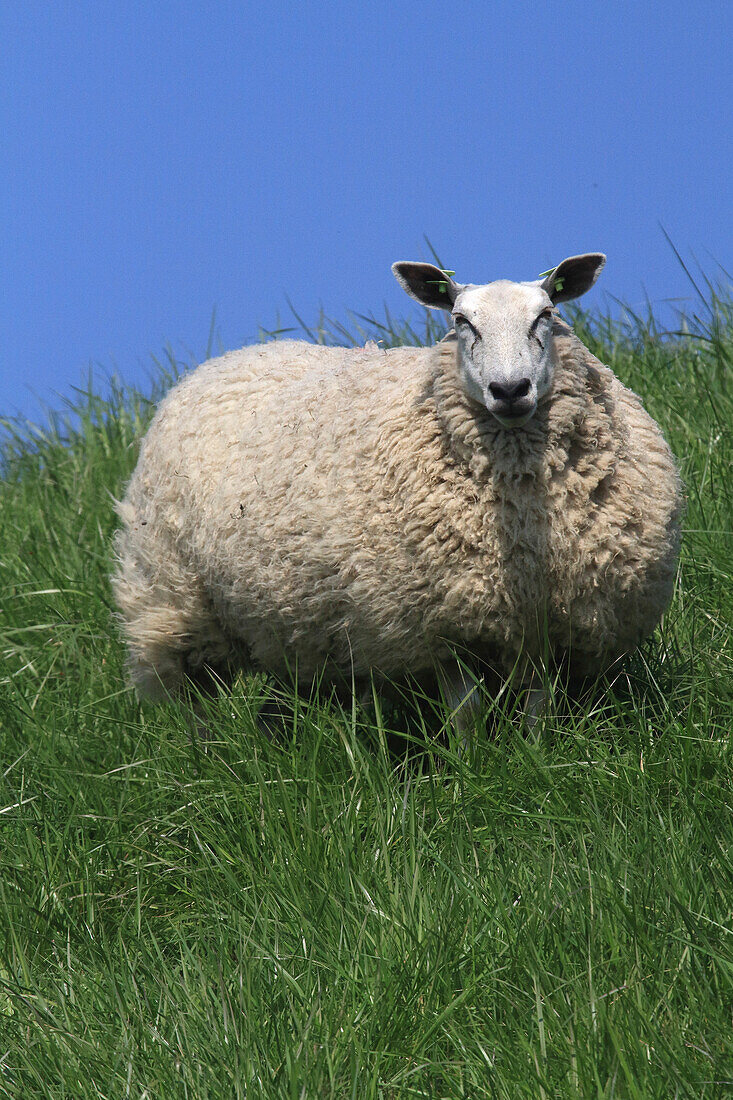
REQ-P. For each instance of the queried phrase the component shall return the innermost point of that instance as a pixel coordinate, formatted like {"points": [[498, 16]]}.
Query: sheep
{"points": [[491, 502]]}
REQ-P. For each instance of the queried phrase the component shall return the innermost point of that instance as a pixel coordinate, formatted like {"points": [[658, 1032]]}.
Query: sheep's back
{"points": [[269, 468]]}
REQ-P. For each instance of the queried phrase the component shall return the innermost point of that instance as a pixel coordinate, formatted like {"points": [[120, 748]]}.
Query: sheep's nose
{"points": [[511, 391]]}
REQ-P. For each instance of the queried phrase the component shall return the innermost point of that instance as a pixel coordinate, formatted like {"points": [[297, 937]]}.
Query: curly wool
{"points": [[301, 507]]}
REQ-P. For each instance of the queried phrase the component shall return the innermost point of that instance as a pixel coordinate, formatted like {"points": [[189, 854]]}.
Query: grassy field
{"points": [[343, 911]]}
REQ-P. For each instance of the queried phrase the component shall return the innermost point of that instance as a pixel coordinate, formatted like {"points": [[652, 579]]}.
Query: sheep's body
{"points": [[302, 507]]}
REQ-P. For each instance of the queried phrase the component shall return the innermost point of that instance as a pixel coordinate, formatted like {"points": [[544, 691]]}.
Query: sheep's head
{"points": [[504, 329]]}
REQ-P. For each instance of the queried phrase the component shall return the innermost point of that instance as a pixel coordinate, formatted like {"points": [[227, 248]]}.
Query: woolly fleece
{"points": [[296, 506]]}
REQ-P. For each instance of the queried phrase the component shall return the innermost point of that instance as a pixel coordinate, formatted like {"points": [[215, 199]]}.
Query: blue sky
{"points": [[162, 160]]}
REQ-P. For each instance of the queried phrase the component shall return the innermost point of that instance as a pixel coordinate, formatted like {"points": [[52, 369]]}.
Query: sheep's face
{"points": [[505, 354], [504, 329]]}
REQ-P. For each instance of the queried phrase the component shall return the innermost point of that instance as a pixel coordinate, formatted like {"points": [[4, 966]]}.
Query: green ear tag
{"points": [[441, 285], [559, 283]]}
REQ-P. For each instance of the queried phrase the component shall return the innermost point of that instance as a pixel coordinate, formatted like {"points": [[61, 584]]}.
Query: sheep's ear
{"points": [[573, 276], [427, 284]]}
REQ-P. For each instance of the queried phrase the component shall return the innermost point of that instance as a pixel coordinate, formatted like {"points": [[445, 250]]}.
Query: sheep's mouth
{"points": [[511, 418]]}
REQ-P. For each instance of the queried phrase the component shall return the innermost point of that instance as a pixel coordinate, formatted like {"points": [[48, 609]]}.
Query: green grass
{"points": [[342, 912]]}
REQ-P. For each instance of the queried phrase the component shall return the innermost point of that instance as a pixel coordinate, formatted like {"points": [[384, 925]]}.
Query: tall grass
{"points": [[342, 912]]}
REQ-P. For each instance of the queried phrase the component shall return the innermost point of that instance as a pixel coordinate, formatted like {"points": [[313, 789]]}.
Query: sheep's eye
{"points": [[463, 322], [546, 315]]}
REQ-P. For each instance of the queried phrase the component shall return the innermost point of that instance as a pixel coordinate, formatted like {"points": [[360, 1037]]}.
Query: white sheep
{"points": [[497, 498]]}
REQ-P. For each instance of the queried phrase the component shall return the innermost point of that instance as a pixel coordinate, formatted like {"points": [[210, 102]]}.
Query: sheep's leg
{"points": [[462, 696], [201, 685], [534, 698]]}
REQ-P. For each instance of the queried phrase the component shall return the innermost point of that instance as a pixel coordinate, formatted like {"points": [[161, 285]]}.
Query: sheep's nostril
{"points": [[511, 391]]}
